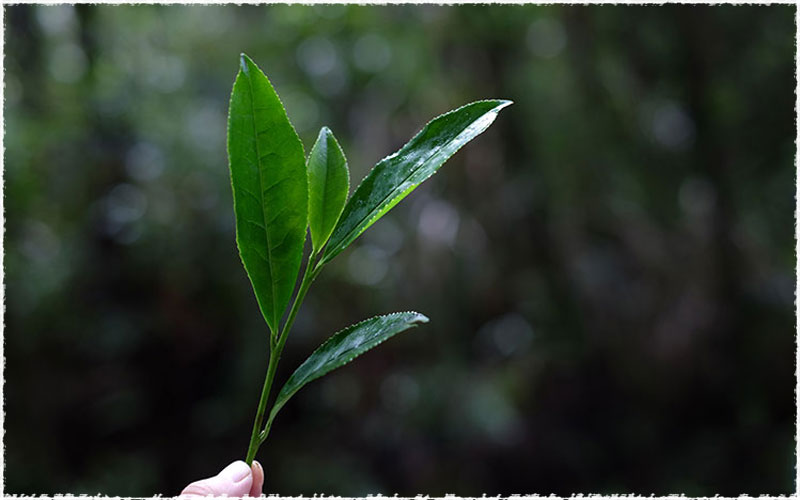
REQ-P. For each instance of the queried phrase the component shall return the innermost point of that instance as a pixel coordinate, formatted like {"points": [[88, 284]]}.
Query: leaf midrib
{"points": [[324, 190], [261, 186], [328, 182]]}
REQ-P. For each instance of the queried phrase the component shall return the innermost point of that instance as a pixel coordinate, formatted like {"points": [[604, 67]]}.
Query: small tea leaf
{"points": [[270, 190], [328, 185], [394, 177], [343, 346]]}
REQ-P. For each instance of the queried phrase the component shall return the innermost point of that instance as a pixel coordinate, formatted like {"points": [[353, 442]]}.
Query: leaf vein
{"points": [[261, 183]]}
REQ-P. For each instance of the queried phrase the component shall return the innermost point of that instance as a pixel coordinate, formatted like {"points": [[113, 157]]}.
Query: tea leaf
{"points": [[394, 177], [328, 185], [270, 190], [343, 347]]}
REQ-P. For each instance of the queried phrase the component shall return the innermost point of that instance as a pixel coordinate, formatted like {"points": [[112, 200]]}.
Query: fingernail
{"points": [[236, 471], [258, 464]]}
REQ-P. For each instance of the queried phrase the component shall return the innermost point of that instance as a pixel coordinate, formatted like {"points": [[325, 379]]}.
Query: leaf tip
{"points": [[419, 318], [325, 132], [243, 59]]}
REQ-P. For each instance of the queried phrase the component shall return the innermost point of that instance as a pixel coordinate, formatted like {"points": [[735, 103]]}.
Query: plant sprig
{"points": [[279, 197]]}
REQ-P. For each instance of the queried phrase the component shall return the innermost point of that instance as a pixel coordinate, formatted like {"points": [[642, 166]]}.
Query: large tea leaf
{"points": [[328, 185], [343, 347], [270, 190], [394, 177]]}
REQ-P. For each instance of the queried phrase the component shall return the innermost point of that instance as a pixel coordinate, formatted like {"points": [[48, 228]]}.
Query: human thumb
{"points": [[235, 480]]}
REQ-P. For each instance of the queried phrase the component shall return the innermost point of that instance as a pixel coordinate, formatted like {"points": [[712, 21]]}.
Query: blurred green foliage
{"points": [[609, 270]]}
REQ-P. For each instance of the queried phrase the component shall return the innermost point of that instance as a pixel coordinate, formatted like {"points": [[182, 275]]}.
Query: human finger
{"points": [[234, 480]]}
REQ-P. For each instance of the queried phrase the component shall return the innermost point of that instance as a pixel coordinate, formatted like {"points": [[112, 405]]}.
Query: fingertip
{"points": [[236, 472], [235, 480], [258, 479]]}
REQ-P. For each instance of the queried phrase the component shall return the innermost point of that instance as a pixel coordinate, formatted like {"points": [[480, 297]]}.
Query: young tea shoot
{"points": [[279, 196]]}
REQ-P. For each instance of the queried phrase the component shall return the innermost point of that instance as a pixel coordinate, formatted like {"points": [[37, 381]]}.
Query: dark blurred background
{"points": [[609, 269]]}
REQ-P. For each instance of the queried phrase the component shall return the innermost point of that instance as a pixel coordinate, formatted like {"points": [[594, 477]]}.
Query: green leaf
{"points": [[328, 185], [343, 347], [270, 190], [394, 177]]}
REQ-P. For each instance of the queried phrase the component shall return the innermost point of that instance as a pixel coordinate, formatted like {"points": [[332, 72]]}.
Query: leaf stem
{"points": [[276, 348], [262, 407], [308, 278]]}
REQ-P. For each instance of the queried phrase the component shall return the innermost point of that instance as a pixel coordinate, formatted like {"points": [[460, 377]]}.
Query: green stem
{"points": [[262, 407], [308, 278], [276, 348]]}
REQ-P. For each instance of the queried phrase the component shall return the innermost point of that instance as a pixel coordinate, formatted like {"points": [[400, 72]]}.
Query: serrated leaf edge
{"points": [[329, 132], [244, 68], [413, 323], [502, 103], [421, 319]]}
